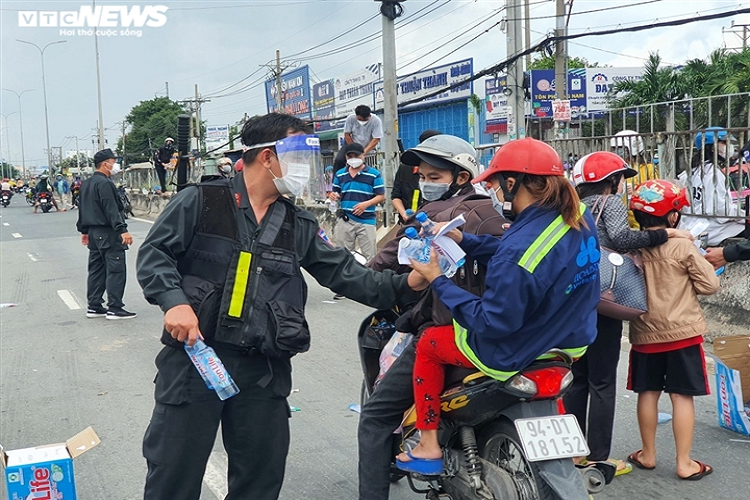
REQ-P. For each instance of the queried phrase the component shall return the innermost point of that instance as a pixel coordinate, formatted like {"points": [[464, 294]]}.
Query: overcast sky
{"points": [[216, 44]]}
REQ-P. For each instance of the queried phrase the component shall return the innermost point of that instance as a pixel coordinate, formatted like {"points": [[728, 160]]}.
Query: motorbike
{"points": [[127, 207], [45, 201], [29, 195], [5, 197], [501, 440]]}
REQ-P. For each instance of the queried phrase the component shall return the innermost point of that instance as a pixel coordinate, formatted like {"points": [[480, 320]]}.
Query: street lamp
{"points": [[20, 118], [44, 91], [7, 136]]}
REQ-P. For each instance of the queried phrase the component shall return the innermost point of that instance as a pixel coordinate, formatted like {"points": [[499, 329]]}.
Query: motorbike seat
{"points": [[455, 375]]}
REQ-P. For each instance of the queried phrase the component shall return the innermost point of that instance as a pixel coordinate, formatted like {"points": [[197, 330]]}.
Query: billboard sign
{"points": [[324, 108], [496, 105], [425, 82], [543, 92], [600, 81], [295, 87], [355, 89], [216, 137]]}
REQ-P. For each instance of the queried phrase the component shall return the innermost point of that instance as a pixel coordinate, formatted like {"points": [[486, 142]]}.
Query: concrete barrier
{"points": [[727, 312]]}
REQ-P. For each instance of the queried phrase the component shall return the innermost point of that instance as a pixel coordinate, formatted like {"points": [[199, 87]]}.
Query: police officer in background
{"points": [[105, 233], [223, 261]]}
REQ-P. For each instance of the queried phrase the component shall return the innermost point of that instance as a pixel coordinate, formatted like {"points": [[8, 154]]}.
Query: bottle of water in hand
{"points": [[212, 370], [419, 249]]}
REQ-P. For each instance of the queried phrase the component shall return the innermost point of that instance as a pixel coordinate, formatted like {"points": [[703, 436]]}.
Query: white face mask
{"points": [[115, 169], [225, 169], [355, 162], [363, 122], [432, 191], [295, 180]]}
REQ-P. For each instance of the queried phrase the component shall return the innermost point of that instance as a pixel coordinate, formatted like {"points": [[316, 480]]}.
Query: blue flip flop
{"points": [[425, 466]]}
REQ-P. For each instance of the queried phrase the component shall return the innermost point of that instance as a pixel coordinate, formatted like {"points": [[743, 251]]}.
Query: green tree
{"points": [[150, 123], [548, 62], [8, 170], [70, 163]]}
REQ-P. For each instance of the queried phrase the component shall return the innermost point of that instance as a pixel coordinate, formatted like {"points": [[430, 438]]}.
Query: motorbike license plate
{"points": [[549, 438]]}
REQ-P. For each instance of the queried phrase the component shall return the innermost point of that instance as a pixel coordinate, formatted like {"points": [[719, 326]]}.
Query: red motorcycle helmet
{"points": [[658, 197], [239, 165], [595, 167], [527, 156]]}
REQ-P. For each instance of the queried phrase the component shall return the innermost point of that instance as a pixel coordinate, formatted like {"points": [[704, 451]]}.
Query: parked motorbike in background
{"points": [[501, 440]]}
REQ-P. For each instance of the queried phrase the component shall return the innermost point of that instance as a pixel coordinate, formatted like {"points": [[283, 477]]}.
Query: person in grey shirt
{"points": [[363, 128]]}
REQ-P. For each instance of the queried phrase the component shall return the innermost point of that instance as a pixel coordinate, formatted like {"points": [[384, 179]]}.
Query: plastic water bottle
{"points": [[428, 228], [212, 370], [416, 247], [419, 249], [409, 212], [333, 206]]}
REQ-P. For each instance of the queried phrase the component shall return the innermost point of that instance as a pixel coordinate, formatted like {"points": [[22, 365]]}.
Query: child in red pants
{"points": [[436, 349]]}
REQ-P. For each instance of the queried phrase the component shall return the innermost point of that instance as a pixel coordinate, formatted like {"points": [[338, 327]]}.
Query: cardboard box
{"points": [[45, 472], [732, 356]]}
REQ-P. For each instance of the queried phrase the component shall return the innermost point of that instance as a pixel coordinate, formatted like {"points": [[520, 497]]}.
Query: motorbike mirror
{"points": [[616, 259]]}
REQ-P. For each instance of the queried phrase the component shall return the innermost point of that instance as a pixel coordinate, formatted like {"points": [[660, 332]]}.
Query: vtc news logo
{"points": [[108, 16]]}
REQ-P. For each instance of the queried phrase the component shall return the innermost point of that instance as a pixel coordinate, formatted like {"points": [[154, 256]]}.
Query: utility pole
{"points": [[742, 31], [516, 111], [561, 61], [99, 89], [527, 31], [390, 11], [278, 81], [167, 84]]}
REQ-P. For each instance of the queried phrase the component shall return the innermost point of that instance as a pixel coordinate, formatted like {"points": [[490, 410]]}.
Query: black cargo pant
{"points": [[595, 388], [182, 432], [380, 416], [106, 268], [161, 173]]}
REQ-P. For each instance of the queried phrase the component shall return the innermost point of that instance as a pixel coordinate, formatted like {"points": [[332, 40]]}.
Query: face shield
{"points": [[298, 155]]}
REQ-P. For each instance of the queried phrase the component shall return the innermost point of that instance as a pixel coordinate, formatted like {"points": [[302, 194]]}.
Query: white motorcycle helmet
{"points": [[627, 140]]}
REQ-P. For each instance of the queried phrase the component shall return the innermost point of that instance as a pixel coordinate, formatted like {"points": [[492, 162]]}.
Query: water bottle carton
{"points": [[45, 471]]}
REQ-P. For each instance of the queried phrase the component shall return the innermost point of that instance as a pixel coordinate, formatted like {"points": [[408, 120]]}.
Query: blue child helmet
{"points": [[711, 132]]}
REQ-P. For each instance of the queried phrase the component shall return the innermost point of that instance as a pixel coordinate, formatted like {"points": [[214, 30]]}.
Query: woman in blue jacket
{"points": [[542, 286]]}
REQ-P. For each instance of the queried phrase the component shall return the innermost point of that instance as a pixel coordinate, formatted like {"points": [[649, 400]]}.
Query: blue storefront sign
{"points": [[425, 82], [543, 92], [496, 105], [295, 87]]}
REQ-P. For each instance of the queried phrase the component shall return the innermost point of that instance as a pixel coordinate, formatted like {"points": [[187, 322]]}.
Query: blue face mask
{"points": [[496, 203]]}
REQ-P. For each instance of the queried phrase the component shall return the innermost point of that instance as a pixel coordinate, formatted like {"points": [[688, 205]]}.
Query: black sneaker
{"points": [[338, 296], [97, 312], [120, 314]]}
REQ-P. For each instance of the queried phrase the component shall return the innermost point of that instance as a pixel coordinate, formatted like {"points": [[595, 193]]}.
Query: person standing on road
{"points": [[362, 128], [62, 191], [359, 189], [105, 233], [163, 162], [232, 251], [666, 353]]}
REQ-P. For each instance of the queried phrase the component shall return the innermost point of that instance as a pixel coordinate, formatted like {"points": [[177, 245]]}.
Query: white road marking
{"points": [[69, 299], [33, 256], [143, 220], [16, 235], [215, 476], [6, 224]]}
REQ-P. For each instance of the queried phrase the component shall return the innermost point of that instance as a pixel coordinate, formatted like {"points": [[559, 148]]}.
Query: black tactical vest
{"points": [[246, 288]]}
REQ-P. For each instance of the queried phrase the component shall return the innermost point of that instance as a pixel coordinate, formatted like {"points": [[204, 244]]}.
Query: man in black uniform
{"points": [[223, 261], [163, 159], [104, 231]]}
